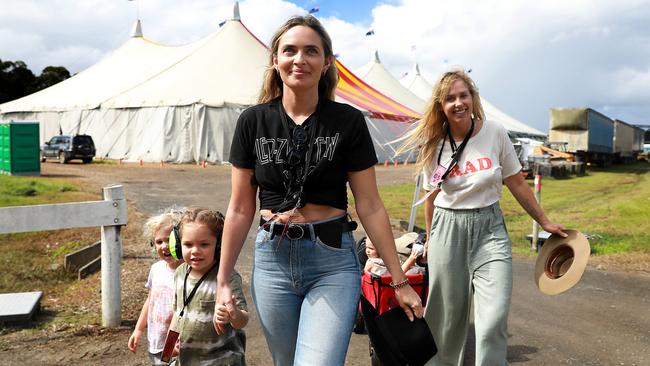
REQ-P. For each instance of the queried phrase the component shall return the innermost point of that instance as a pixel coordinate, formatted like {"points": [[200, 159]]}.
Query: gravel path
{"points": [[604, 320]]}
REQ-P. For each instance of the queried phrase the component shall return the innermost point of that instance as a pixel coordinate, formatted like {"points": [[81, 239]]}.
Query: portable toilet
{"points": [[19, 148]]}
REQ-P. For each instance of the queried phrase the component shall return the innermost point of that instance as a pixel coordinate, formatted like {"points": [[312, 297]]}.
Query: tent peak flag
{"points": [[137, 29]]}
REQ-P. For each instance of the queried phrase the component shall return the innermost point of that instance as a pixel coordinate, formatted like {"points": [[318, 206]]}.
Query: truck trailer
{"points": [[589, 135], [624, 141]]}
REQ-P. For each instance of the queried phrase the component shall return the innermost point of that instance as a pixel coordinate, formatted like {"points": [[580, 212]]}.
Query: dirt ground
{"points": [[604, 320]]}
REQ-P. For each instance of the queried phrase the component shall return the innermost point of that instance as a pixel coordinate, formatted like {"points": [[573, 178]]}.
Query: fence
{"points": [[110, 214]]}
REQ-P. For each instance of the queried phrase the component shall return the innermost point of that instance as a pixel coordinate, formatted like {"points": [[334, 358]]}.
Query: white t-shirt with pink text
{"points": [[477, 179]]}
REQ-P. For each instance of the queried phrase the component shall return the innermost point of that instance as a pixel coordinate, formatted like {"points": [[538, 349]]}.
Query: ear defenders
{"points": [[175, 248]]}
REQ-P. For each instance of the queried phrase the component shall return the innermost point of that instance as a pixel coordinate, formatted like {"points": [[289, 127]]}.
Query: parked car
{"points": [[68, 147]]}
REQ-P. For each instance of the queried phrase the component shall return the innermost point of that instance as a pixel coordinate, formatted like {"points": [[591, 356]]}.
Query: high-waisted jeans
{"points": [[306, 294], [470, 256]]}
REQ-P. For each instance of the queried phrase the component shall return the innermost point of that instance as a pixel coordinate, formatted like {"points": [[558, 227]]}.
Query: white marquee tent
{"points": [[151, 102], [417, 84], [375, 74]]}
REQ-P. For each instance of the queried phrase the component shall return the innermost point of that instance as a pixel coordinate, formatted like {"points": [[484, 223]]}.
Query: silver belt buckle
{"points": [[299, 236]]}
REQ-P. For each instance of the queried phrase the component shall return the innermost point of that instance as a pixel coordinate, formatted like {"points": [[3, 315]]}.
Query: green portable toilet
{"points": [[19, 148]]}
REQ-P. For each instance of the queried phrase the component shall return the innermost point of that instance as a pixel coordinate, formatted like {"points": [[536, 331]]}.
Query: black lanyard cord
{"points": [[312, 135], [455, 151], [187, 299]]}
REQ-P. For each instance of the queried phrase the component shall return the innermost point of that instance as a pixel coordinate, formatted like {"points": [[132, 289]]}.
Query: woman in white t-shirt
{"points": [[465, 160]]}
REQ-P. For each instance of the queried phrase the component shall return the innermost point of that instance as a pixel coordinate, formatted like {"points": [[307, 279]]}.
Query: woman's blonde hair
{"points": [[272, 86], [433, 125]]}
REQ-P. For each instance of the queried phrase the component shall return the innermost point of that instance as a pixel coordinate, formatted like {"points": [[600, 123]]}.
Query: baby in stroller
{"points": [[375, 282], [376, 279], [409, 249]]}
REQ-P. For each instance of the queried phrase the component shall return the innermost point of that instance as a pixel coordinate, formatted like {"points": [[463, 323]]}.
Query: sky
{"points": [[526, 56]]}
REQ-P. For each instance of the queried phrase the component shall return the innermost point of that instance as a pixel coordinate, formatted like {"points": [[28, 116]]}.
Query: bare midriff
{"points": [[310, 213]]}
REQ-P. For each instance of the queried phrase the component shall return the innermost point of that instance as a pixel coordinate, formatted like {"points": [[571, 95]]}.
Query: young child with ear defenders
{"points": [[157, 311], [194, 303]]}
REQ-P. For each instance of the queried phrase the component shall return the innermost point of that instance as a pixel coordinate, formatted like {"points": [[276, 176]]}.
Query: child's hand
{"points": [[417, 250], [222, 315], [229, 313], [223, 292], [134, 339]]}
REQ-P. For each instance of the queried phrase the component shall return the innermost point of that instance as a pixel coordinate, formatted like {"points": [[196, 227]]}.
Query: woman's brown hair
{"points": [[272, 86]]}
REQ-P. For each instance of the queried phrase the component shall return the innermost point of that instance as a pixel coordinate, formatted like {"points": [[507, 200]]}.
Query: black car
{"points": [[68, 147]]}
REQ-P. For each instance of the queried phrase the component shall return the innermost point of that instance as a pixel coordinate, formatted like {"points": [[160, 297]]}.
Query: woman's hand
{"points": [[224, 296], [410, 302], [554, 228]]}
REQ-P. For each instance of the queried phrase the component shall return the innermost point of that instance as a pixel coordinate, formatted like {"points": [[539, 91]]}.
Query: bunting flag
{"points": [[370, 32], [314, 10], [222, 23], [356, 91], [336, 55]]}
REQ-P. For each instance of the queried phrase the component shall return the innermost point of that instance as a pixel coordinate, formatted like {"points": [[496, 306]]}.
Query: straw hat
{"points": [[403, 243], [561, 262]]}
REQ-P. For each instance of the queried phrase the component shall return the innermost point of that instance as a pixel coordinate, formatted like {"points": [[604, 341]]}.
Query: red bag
{"points": [[377, 290]]}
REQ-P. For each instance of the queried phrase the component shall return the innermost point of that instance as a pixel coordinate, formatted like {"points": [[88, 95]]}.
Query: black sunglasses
{"points": [[296, 153]]}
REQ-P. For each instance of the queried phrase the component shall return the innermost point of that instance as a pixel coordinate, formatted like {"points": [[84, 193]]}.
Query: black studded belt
{"points": [[297, 231]]}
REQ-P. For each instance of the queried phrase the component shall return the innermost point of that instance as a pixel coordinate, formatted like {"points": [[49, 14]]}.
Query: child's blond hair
{"points": [[171, 216]]}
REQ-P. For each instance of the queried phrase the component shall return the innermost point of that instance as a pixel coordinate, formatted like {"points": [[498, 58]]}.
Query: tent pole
{"points": [[416, 197]]}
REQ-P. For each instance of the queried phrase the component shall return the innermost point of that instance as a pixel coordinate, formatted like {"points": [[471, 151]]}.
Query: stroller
{"points": [[376, 289]]}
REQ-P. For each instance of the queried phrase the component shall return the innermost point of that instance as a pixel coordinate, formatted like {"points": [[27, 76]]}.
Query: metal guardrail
{"points": [[110, 214]]}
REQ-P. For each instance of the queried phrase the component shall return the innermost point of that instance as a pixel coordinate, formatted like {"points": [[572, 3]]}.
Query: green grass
{"points": [[21, 191], [612, 206], [104, 161], [35, 260]]}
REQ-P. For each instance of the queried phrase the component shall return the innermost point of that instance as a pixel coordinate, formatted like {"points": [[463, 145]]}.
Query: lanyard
{"points": [[455, 151], [455, 156], [312, 134], [187, 299]]}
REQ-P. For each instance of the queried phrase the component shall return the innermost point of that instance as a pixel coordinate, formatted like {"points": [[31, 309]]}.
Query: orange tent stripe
{"points": [[372, 94], [374, 103], [350, 91], [360, 101], [377, 97]]}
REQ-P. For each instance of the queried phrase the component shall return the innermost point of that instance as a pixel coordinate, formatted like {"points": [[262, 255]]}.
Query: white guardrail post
{"points": [[110, 214], [111, 261]]}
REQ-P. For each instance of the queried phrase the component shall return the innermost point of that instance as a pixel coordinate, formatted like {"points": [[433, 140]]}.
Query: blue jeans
{"points": [[306, 294]]}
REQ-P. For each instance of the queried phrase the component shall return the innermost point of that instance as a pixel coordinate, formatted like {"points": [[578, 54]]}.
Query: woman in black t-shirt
{"points": [[300, 148]]}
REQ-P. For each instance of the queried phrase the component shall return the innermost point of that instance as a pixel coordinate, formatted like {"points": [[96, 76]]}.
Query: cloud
{"points": [[526, 56]]}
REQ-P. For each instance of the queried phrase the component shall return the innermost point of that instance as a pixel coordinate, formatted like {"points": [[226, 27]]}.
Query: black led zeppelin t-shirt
{"points": [[342, 144]]}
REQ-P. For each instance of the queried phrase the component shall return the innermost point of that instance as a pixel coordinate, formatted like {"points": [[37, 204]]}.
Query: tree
{"points": [[50, 76], [17, 80]]}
